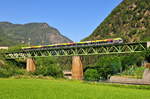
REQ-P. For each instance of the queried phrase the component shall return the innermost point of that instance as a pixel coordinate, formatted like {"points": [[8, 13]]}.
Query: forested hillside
{"points": [[31, 34], [130, 20]]}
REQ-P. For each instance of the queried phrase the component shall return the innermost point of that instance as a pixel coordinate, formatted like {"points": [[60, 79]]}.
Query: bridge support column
{"points": [[77, 68], [30, 67]]}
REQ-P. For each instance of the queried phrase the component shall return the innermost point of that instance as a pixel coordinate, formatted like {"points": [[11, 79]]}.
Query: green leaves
{"points": [[91, 75], [48, 67], [112, 65]]}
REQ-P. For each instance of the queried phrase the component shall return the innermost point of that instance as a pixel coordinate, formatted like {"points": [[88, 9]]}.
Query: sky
{"points": [[76, 19]]}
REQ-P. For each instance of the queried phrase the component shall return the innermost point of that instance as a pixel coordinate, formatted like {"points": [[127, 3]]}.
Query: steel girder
{"points": [[83, 50]]}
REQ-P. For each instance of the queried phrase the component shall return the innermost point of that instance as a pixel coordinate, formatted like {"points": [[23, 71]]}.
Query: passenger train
{"points": [[74, 44]]}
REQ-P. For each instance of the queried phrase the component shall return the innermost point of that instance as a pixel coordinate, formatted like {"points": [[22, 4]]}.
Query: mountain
{"points": [[31, 33], [130, 20]]}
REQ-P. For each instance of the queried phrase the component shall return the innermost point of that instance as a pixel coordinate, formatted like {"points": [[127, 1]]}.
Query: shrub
{"points": [[91, 75], [8, 70], [107, 66], [48, 67], [11, 67], [134, 71], [130, 60], [50, 70]]}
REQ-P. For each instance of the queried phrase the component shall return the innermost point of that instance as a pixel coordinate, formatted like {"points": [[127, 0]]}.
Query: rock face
{"points": [[31, 34], [129, 20], [144, 80], [119, 79], [146, 75]]}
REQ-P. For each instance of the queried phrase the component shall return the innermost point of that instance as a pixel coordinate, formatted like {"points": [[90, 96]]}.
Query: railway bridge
{"points": [[76, 52]]}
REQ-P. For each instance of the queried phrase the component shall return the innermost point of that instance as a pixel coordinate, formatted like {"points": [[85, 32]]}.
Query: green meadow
{"points": [[63, 89]]}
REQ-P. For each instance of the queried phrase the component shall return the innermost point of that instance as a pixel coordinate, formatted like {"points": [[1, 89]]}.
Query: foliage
{"points": [[91, 75], [108, 66], [65, 62], [48, 67], [11, 68], [45, 67], [134, 71], [130, 60], [14, 67]]}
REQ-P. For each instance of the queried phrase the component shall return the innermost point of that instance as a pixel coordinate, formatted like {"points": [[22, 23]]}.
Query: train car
{"points": [[93, 42], [82, 43], [66, 44], [117, 40]]}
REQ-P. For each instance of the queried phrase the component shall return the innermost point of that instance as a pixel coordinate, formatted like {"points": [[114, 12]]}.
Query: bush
{"points": [[8, 71], [48, 67], [107, 66], [11, 67], [127, 61], [91, 75], [134, 71]]}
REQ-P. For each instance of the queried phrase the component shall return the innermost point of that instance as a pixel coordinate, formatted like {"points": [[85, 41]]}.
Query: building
{"points": [[67, 74], [3, 47]]}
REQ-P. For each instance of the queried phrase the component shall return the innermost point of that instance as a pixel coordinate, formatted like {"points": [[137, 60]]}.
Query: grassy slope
{"points": [[129, 20], [56, 89]]}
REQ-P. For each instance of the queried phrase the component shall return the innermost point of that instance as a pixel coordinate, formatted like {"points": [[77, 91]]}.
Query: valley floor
{"points": [[63, 89]]}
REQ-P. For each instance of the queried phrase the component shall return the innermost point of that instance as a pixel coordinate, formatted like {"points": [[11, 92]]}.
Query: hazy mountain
{"points": [[130, 20], [31, 33]]}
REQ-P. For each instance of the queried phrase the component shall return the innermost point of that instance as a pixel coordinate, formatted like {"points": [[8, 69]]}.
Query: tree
{"points": [[48, 67], [107, 66], [91, 75]]}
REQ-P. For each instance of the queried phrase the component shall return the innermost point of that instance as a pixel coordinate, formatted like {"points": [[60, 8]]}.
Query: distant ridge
{"points": [[30, 33]]}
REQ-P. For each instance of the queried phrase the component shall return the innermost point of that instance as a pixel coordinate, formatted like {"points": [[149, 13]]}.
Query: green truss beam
{"points": [[82, 50]]}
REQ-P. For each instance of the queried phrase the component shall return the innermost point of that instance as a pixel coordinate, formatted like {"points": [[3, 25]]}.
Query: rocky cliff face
{"points": [[31, 33], [130, 20]]}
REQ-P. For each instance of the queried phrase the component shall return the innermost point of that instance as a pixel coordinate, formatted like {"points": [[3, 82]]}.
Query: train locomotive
{"points": [[76, 44]]}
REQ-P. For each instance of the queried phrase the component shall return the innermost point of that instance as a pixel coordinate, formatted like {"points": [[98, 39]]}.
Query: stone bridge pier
{"points": [[30, 65], [77, 68]]}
